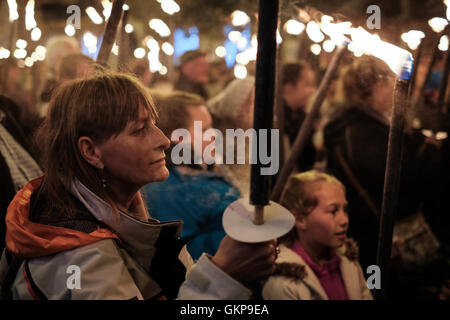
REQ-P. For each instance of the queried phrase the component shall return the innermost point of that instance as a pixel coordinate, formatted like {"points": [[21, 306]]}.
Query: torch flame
{"points": [[336, 31], [30, 22], [399, 60], [13, 14], [447, 3]]}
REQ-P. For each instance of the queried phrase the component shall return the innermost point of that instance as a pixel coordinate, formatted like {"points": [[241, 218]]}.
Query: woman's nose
{"points": [[163, 141]]}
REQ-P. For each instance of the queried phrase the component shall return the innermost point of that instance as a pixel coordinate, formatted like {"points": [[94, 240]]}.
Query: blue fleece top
{"points": [[199, 200]]}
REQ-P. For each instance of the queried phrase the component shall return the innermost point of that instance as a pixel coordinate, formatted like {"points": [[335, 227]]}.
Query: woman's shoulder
{"points": [[286, 281], [79, 273]]}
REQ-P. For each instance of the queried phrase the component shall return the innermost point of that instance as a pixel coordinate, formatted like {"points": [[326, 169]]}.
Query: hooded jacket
{"points": [[297, 281], [99, 255]]}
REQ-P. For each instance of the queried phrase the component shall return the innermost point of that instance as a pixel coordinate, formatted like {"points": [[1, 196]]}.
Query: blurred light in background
{"points": [[107, 7], [314, 33], [93, 15], [240, 71], [239, 18], [316, 49], [69, 30], [30, 22], [221, 51], [129, 28], [167, 48], [185, 41], [21, 44], [160, 27], [443, 43], [139, 53], [328, 46], [36, 34], [294, 27]]}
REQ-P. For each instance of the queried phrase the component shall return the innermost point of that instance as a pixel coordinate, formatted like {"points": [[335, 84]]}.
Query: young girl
{"points": [[316, 260]]}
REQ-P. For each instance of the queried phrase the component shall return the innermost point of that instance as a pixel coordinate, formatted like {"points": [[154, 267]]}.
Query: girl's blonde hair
{"points": [[99, 107], [298, 198]]}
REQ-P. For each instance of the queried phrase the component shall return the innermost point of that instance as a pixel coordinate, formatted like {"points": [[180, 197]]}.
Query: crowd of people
{"points": [[87, 179]]}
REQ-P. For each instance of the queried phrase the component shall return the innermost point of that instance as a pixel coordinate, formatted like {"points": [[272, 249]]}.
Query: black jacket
{"points": [[361, 135]]}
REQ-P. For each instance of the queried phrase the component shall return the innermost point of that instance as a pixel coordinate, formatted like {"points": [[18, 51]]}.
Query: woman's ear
{"points": [[300, 222], [90, 152]]}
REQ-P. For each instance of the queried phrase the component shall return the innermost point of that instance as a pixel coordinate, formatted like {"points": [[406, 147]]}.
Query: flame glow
{"points": [[314, 33], [336, 31], [13, 13], [30, 23], [437, 24], [399, 60], [413, 38], [447, 3]]}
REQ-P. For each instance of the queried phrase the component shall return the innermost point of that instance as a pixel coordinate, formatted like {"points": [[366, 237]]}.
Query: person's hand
{"points": [[246, 261]]}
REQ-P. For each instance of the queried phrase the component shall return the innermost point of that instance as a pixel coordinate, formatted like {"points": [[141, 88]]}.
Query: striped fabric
{"points": [[22, 166]]}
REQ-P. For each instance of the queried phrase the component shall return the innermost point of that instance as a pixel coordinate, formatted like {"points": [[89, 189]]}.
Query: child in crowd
{"points": [[316, 260]]}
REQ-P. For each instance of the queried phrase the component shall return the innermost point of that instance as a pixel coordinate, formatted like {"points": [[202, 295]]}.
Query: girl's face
{"points": [[326, 226]]}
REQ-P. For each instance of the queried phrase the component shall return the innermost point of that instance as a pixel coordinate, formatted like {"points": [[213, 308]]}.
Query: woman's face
{"points": [[327, 224], [135, 157]]}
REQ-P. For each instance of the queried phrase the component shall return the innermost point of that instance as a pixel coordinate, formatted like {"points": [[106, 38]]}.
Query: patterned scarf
{"points": [[22, 166]]}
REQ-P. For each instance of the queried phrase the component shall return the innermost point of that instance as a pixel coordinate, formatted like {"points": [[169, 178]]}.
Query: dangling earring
{"points": [[103, 182], [102, 178]]}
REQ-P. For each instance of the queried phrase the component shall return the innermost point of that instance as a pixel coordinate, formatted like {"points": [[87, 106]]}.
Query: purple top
{"points": [[329, 273]]}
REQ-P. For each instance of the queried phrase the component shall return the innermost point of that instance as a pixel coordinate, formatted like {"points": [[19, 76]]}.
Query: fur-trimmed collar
{"points": [[297, 271]]}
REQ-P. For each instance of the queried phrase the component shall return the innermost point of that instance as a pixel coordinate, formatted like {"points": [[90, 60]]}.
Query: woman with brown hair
{"points": [[82, 230]]}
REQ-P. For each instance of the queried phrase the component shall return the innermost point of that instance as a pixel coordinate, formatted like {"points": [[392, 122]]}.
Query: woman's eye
{"points": [[141, 130]]}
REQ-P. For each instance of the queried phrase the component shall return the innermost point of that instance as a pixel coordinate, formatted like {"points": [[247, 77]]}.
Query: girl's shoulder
{"points": [[349, 250]]}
